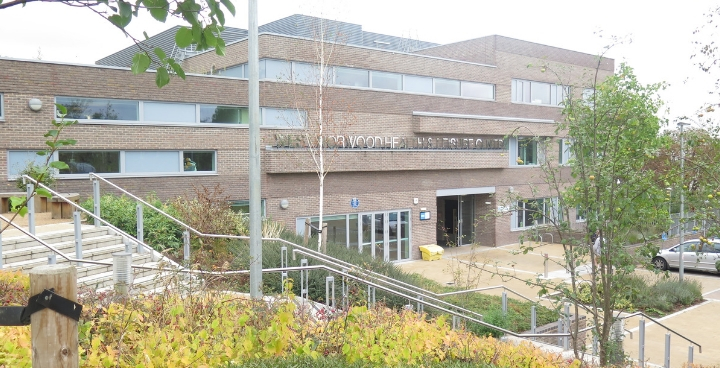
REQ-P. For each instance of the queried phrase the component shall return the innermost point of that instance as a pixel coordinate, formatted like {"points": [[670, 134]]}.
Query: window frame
{"points": [[514, 146], [524, 95], [551, 209], [2, 106]]}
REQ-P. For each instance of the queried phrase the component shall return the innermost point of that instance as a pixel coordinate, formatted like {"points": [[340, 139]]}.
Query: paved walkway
{"points": [[696, 323]]}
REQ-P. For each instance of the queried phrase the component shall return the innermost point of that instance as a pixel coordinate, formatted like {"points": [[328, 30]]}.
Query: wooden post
{"points": [[54, 337]]}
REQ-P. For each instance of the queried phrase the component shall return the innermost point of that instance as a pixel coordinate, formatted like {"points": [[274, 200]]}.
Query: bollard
{"points": [[690, 356], [96, 201], [533, 320], [122, 272], [54, 337], [641, 348], [77, 225], [140, 228], [667, 350], [330, 291], [30, 204]]}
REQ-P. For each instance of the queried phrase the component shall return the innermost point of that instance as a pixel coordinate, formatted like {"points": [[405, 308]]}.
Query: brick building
{"points": [[426, 141]]}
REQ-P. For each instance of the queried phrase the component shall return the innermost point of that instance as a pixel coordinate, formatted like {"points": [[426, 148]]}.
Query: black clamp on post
{"points": [[20, 316]]}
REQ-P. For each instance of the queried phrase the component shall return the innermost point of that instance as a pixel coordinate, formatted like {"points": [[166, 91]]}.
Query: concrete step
{"points": [[66, 247], [142, 278], [94, 254], [20, 242], [89, 269]]}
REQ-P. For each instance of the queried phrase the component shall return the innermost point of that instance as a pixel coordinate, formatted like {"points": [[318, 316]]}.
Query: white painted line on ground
{"points": [[712, 291], [673, 315]]}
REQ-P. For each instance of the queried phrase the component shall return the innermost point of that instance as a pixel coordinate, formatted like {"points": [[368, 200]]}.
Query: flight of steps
{"points": [[99, 244]]}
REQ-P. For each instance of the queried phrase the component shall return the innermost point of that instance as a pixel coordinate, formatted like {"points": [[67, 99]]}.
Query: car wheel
{"points": [[660, 263]]}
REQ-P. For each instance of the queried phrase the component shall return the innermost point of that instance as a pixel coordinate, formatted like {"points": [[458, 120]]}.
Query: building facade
{"points": [[425, 142]]}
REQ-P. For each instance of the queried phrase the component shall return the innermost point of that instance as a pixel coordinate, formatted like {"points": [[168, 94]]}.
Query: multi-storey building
{"points": [[426, 141]]}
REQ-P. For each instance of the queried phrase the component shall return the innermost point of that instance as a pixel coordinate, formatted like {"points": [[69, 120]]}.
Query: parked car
{"points": [[697, 255]]}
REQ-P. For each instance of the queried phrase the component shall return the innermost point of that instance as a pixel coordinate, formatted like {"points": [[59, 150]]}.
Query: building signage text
{"points": [[379, 142]]}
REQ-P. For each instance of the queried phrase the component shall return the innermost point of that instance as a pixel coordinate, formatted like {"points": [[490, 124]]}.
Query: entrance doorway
{"points": [[455, 221], [386, 235]]}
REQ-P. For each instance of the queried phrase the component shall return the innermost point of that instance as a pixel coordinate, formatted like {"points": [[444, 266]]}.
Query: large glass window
{"points": [[169, 112], [538, 92], [447, 87], [99, 108], [2, 107], [414, 83], [384, 80], [243, 206], [237, 71], [527, 151], [351, 77], [564, 153], [287, 118], [223, 114], [84, 162], [151, 161], [532, 212], [478, 90], [198, 161], [19, 160], [307, 73], [277, 70]]}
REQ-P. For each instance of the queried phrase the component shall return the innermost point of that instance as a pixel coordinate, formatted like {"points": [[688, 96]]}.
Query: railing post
{"points": [[454, 322], [140, 227], [371, 296], [1, 258], [330, 291], [30, 203], [54, 337], [420, 305], [560, 330], [52, 259], [546, 265], [504, 303], [690, 356], [641, 348], [96, 201], [667, 350], [122, 272], [345, 290], [283, 257], [186, 245], [533, 320], [304, 282], [77, 225]]}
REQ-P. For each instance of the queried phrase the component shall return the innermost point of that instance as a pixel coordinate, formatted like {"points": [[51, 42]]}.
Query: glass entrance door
{"points": [[466, 224], [385, 234]]}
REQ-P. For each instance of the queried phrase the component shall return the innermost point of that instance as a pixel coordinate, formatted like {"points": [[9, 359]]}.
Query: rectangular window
{"points": [[152, 161], [217, 114], [351, 77], [384, 80], [478, 90], [99, 108], [580, 214], [276, 70], [237, 71], [19, 160], [310, 74], [286, 118], [169, 112], [243, 206], [199, 161], [84, 162], [2, 107], [447, 87], [417, 84], [564, 153], [538, 93], [527, 151], [533, 212]]}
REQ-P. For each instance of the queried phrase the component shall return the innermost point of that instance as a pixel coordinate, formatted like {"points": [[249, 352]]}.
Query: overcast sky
{"points": [[661, 31]]}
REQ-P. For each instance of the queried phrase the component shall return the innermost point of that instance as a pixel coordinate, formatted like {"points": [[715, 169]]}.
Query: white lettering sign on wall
{"points": [[387, 142]]}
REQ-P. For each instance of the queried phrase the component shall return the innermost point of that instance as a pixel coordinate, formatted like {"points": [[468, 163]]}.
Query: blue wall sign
{"points": [[354, 203], [424, 215]]}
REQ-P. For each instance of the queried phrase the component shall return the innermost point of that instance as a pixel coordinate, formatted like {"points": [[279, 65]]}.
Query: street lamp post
{"points": [[682, 198]]}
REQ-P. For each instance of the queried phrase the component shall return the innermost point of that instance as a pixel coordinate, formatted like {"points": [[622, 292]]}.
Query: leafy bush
{"points": [[217, 329], [45, 174], [159, 232], [14, 288]]}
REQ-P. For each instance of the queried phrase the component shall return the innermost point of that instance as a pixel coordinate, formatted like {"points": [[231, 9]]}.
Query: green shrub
{"points": [[44, 173], [159, 232]]}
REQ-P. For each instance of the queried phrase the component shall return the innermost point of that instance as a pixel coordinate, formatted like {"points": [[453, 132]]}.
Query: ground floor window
{"points": [[383, 234], [535, 212], [119, 162], [243, 206]]}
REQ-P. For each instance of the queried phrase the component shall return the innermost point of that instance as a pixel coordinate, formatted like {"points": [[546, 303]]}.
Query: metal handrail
{"points": [[78, 207], [662, 325], [489, 288]]}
